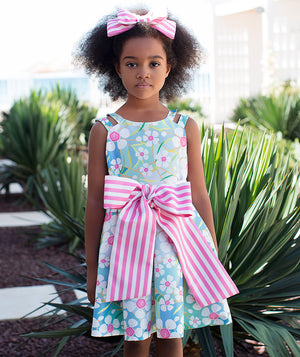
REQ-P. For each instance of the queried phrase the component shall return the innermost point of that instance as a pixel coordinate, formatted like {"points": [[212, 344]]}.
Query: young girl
{"points": [[150, 238]]}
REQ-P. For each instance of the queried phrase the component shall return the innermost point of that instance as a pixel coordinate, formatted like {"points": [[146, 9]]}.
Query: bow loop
{"points": [[126, 20]]}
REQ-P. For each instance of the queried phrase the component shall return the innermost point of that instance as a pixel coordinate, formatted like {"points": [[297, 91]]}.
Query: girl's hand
{"points": [[91, 285]]}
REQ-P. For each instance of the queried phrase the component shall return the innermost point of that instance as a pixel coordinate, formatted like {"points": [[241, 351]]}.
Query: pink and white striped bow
{"points": [[131, 262], [126, 20]]}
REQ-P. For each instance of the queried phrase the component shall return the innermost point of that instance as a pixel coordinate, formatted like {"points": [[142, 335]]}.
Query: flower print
{"points": [[171, 261], [146, 170], [178, 293], [190, 298], [167, 285], [143, 306], [131, 327], [101, 282], [142, 154], [107, 216], [140, 314], [166, 303], [183, 141], [180, 141], [170, 324], [166, 247], [151, 137], [159, 270], [116, 166], [162, 158], [180, 330], [141, 303], [170, 330], [194, 321], [129, 305], [110, 326], [95, 322], [212, 315], [103, 261], [107, 241], [129, 331], [165, 333], [110, 240], [179, 133], [114, 136], [117, 138]]}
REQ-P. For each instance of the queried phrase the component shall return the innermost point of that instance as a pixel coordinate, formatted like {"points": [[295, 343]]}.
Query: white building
{"points": [[256, 43]]}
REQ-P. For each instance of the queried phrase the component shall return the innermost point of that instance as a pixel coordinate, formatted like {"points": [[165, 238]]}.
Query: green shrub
{"points": [[33, 136], [63, 193], [187, 105], [275, 112], [79, 116], [255, 203], [38, 129]]}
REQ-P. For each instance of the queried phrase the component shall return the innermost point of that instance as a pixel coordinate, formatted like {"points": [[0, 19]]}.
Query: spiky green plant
{"points": [[255, 203], [33, 136], [63, 193], [277, 112], [79, 116]]}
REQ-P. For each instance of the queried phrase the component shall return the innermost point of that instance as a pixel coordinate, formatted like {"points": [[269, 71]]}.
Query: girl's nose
{"points": [[143, 73]]}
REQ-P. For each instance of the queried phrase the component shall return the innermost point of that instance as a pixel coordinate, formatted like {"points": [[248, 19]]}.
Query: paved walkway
{"points": [[22, 219], [18, 302]]}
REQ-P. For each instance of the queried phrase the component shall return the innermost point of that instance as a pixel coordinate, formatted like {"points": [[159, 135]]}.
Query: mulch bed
{"points": [[15, 203], [20, 260]]}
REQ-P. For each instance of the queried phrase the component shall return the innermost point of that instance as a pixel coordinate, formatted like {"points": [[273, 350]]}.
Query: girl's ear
{"points": [[168, 70], [117, 68]]}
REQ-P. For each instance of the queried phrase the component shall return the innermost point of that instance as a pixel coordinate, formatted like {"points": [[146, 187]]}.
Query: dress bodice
{"points": [[149, 152]]}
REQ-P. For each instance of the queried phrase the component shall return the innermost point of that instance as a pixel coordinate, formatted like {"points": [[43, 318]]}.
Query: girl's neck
{"points": [[146, 110]]}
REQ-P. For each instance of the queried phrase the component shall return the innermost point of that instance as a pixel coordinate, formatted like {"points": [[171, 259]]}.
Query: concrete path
{"points": [[22, 219]]}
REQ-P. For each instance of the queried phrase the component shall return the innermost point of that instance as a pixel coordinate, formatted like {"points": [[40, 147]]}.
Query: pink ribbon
{"points": [[142, 206], [126, 20]]}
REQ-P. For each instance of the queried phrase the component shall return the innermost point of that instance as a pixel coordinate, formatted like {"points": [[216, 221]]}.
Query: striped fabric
{"points": [[126, 20], [142, 206]]}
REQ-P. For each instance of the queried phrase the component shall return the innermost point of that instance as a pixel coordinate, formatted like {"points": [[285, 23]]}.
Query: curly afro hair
{"points": [[99, 54]]}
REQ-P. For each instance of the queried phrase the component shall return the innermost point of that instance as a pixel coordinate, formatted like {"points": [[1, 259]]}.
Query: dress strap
{"points": [[109, 121], [182, 120]]}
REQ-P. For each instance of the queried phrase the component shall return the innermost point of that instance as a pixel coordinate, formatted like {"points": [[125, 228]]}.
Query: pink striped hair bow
{"points": [[142, 207], [126, 20]]}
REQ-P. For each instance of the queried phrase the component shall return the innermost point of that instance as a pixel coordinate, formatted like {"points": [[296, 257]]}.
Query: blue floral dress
{"points": [[151, 152]]}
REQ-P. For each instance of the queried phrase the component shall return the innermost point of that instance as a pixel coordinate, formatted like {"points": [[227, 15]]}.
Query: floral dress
{"points": [[151, 152]]}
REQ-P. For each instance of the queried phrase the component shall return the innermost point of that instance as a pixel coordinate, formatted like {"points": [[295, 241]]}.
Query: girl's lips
{"points": [[143, 85]]}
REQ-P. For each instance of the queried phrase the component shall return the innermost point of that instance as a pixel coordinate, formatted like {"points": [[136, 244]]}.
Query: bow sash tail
{"points": [[142, 206]]}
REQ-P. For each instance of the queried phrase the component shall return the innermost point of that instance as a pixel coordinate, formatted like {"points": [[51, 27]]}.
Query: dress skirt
{"points": [[171, 307]]}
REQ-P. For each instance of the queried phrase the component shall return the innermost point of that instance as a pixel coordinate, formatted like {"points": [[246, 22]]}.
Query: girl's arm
{"points": [[200, 196], [94, 213]]}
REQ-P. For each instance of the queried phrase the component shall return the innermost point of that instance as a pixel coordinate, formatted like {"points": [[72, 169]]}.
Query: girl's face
{"points": [[143, 67]]}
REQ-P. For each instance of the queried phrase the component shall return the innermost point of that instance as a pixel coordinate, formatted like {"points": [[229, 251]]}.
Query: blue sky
{"points": [[39, 31]]}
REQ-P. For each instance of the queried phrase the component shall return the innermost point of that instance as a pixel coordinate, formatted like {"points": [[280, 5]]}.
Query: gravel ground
{"points": [[18, 260]]}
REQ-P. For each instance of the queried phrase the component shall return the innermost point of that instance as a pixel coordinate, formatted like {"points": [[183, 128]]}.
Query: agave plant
{"points": [[33, 136], [63, 193], [275, 112], [255, 203], [256, 209], [79, 116]]}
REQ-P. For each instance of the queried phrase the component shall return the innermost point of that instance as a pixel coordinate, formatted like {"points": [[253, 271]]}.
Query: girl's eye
{"points": [[130, 64], [154, 64]]}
